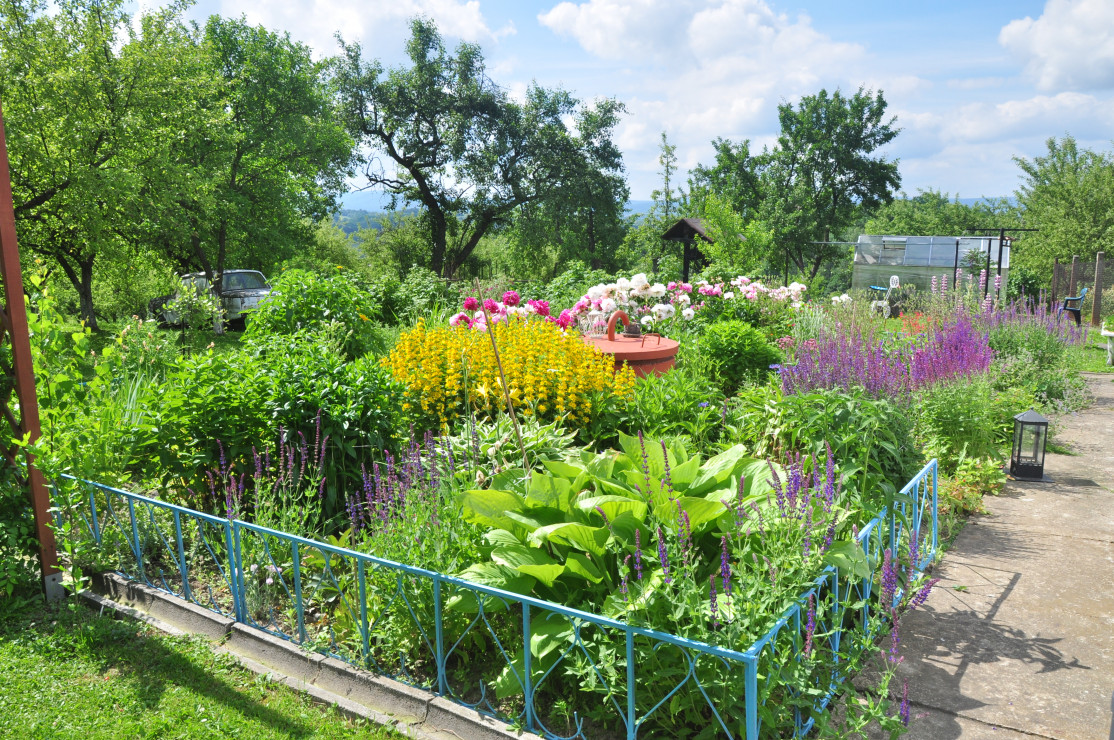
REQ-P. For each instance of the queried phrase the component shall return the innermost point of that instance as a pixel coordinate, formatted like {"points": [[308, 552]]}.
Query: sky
{"points": [[972, 84]]}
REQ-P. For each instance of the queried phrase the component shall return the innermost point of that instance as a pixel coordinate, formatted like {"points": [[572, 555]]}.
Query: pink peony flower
{"points": [[461, 319], [511, 298], [686, 287], [491, 306], [471, 303], [541, 308], [565, 320], [671, 286]]}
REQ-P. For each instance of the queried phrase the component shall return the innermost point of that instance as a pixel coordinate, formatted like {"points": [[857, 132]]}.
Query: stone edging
{"points": [[410, 711]]}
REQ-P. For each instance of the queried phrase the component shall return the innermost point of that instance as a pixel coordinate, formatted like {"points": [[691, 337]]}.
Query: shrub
{"points": [[955, 420], [450, 371], [481, 451], [684, 401], [741, 352], [305, 300]]}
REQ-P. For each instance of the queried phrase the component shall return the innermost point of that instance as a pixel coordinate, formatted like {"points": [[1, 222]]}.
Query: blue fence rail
{"points": [[493, 650]]}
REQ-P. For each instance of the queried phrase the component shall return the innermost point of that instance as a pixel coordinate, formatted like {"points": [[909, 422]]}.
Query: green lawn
{"points": [[66, 672], [1092, 356]]}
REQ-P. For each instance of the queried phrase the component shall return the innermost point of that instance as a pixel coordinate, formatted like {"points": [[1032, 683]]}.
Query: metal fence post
{"points": [[751, 689], [361, 579], [439, 637], [299, 609], [135, 540], [632, 711], [182, 570], [232, 543], [92, 514], [527, 678], [1096, 307]]}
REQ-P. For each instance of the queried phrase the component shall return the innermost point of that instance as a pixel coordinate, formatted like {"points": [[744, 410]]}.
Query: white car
{"points": [[242, 290]]}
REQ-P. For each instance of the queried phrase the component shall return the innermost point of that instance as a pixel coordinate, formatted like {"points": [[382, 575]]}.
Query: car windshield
{"points": [[244, 281]]}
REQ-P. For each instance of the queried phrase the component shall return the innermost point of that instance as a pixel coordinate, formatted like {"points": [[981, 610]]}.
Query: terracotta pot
{"points": [[649, 353]]}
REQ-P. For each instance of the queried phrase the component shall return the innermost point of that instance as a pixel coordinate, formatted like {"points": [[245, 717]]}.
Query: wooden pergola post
{"points": [[1096, 306], [26, 425]]}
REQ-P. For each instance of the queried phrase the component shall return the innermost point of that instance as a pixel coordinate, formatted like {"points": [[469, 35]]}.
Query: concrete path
{"points": [[1017, 640]]}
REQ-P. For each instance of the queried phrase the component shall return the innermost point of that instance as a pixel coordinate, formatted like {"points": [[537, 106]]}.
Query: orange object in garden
{"points": [[645, 353]]}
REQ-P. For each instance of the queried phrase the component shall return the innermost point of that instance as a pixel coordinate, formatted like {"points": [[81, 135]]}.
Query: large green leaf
{"points": [[849, 558], [572, 534], [623, 528], [495, 575], [531, 561], [542, 516], [488, 507], [700, 511], [655, 455], [717, 471], [548, 490], [578, 564], [613, 506], [500, 537]]}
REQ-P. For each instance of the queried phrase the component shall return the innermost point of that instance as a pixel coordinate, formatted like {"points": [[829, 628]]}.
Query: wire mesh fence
{"points": [[1070, 278]]}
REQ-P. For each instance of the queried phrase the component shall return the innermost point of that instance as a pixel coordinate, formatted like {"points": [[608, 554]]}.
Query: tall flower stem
{"points": [[506, 390]]}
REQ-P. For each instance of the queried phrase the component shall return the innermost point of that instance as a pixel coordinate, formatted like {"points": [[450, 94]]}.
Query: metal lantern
{"points": [[1030, 433]]}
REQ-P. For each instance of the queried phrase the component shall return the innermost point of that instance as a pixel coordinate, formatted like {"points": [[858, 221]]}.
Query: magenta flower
{"points": [[511, 298], [541, 308], [471, 303], [491, 306]]}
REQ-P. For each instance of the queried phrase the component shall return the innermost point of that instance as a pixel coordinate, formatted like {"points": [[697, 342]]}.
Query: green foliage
{"points": [[684, 403], [198, 310], [933, 213], [566, 289], [484, 449], [974, 477], [740, 352], [241, 400], [870, 439], [956, 420], [1069, 195], [18, 543], [301, 300], [423, 295], [738, 247]]}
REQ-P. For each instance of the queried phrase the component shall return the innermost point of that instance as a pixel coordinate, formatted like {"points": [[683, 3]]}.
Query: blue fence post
{"points": [[232, 545], [439, 638], [92, 514], [241, 587], [364, 629], [935, 507], [138, 549], [183, 571], [528, 679], [298, 607], [751, 698], [632, 710]]}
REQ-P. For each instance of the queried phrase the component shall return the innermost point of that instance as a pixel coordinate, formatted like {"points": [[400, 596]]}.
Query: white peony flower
{"points": [[623, 284], [608, 305], [688, 313], [657, 290], [664, 311], [639, 280], [728, 296]]}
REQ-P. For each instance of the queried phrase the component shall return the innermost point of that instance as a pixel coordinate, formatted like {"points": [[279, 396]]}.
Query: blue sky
{"points": [[973, 84]]}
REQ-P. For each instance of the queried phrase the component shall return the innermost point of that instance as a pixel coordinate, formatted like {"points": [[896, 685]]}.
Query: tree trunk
{"points": [[83, 284]]}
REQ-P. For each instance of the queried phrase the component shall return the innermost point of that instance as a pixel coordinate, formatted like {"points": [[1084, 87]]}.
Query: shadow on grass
{"points": [[150, 667]]}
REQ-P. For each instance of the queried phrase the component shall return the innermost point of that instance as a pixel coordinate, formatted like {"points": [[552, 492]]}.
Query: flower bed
{"points": [[516, 656]]}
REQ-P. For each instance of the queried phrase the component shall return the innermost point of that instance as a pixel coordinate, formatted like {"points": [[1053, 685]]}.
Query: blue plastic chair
{"points": [[1076, 310]]}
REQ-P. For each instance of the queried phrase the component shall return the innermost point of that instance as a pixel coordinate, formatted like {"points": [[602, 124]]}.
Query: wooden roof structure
{"points": [[686, 231]]}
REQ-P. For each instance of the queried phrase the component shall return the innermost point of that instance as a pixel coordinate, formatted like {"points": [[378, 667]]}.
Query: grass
{"points": [[1091, 357], [66, 672]]}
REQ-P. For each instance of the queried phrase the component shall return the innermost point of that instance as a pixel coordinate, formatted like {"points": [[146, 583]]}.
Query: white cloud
{"points": [[316, 21], [1070, 47], [710, 68]]}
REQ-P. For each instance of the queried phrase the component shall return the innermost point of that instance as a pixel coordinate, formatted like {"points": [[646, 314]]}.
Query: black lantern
{"points": [[1030, 433]]}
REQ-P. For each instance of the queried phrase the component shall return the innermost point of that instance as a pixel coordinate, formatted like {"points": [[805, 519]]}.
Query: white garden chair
{"points": [[884, 304]]}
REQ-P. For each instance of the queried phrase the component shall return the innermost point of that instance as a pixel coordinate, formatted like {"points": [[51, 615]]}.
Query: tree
{"points": [[445, 137], [584, 217], [85, 94], [933, 213], [734, 178], [261, 161], [1069, 195], [824, 172]]}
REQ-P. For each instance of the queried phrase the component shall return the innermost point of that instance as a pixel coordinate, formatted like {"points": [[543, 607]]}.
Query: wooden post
{"points": [[1074, 278], [1055, 282], [1096, 307], [15, 325]]}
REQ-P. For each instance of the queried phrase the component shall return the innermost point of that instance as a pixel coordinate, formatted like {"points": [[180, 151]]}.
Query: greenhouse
{"points": [[915, 260]]}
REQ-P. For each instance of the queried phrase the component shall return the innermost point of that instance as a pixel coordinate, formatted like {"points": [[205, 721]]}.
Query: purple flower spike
{"points": [[895, 640], [663, 556], [889, 579], [810, 625], [725, 566], [638, 553], [903, 710], [712, 601]]}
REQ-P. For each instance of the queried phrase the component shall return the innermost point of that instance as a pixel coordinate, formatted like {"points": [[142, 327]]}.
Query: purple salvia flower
{"points": [[606, 522], [623, 580], [829, 535], [889, 579], [922, 594], [668, 478], [810, 625], [663, 556]]}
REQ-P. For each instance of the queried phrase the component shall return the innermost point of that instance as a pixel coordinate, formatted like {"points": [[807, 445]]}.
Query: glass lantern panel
{"points": [[1030, 442], [1038, 444]]}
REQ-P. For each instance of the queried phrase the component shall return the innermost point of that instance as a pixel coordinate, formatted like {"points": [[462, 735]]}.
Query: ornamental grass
{"points": [[550, 373]]}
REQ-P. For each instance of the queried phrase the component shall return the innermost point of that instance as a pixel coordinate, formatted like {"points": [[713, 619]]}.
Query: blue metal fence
{"points": [[417, 625]]}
